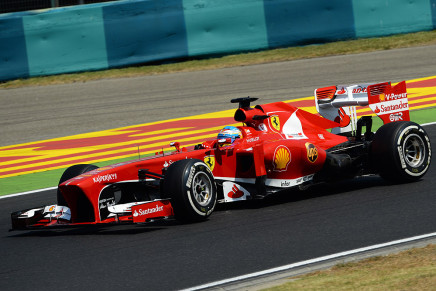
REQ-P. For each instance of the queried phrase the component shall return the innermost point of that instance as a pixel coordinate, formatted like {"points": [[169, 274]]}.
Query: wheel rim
{"points": [[202, 188], [413, 150]]}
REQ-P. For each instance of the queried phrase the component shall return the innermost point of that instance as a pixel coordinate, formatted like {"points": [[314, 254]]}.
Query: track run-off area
{"points": [[145, 139]]}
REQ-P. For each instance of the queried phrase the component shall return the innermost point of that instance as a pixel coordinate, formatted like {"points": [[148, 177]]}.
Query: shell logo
{"points": [[382, 97], [282, 158]]}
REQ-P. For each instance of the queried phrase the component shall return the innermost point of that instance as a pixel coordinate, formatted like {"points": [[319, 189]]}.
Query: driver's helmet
{"points": [[230, 132]]}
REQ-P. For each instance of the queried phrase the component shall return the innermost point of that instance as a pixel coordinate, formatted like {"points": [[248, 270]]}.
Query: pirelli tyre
{"points": [[401, 151], [72, 172], [191, 187]]}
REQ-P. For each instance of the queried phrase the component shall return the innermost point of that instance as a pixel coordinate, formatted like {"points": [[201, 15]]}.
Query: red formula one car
{"points": [[277, 147]]}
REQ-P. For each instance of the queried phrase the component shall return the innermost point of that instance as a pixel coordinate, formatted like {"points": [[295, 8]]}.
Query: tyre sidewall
{"points": [[387, 151], [419, 170], [197, 169], [179, 187]]}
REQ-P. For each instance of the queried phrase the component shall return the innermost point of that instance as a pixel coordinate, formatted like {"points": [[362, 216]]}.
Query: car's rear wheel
{"points": [[191, 187], [72, 172], [401, 151]]}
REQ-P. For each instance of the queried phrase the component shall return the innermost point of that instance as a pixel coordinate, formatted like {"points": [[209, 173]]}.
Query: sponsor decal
{"points": [[285, 183], [141, 212], [393, 107], [105, 178], [312, 152], [234, 192], [210, 162], [321, 136], [359, 89], [145, 212], [275, 122], [393, 96], [191, 176], [281, 158], [54, 212], [400, 153], [342, 91], [166, 164], [396, 117], [388, 107], [253, 139], [106, 202]]}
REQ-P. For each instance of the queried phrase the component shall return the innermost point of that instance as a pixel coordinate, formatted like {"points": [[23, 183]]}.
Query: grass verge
{"points": [[414, 269], [275, 55], [48, 179]]}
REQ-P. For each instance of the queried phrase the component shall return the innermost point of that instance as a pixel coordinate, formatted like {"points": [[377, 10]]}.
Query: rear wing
{"points": [[338, 103]]}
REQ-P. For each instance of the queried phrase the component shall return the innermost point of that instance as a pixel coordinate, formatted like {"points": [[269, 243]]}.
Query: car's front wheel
{"points": [[191, 187]]}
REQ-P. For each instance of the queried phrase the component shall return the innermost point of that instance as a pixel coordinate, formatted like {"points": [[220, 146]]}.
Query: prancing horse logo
{"points": [[275, 122], [210, 162]]}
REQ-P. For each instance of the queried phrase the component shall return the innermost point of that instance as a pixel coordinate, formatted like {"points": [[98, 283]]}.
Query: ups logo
{"points": [[312, 152]]}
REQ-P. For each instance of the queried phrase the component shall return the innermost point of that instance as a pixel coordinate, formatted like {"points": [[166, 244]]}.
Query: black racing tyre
{"points": [[401, 151], [191, 187], [72, 172]]}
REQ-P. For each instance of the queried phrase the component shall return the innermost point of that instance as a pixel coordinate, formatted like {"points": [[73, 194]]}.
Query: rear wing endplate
{"points": [[338, 103]]}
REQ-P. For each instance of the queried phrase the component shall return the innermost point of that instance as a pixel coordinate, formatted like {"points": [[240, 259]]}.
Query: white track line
{"points": [[28, 192], [311, 261], [51, 188]]}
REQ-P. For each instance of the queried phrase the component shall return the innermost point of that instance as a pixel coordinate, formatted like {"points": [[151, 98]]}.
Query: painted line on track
{"points": [[28, 192], [119, 143], [311, 261], [52, 188]]}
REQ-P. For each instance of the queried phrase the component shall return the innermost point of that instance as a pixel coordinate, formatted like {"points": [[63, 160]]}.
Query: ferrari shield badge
{"points": [[275, 122], [210, 162], [312, 152]]}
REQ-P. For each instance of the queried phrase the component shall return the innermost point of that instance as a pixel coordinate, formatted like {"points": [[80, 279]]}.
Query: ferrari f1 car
{"points": [[277, 147]]}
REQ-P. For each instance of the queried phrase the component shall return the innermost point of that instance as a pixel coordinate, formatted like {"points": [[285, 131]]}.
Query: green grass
{"points": [[276, 55], [48, 179], [413, 269]]}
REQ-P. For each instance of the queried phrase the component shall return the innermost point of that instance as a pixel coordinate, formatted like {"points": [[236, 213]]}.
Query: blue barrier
{"points": [[379, 18], [68, 40], [113, 34], [144, 31], [299, 22], [224, 26], [13, 55]]}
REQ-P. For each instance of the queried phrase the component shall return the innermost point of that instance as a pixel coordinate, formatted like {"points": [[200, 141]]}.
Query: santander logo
{"points": [[148, 211], [235, 193]]}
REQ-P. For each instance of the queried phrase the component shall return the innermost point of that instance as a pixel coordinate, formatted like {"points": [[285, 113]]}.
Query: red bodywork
{"points": [[286, 147]]}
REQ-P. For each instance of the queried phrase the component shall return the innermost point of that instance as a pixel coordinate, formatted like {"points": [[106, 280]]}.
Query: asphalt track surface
{"points": [[238, 238], [37, 113]]}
